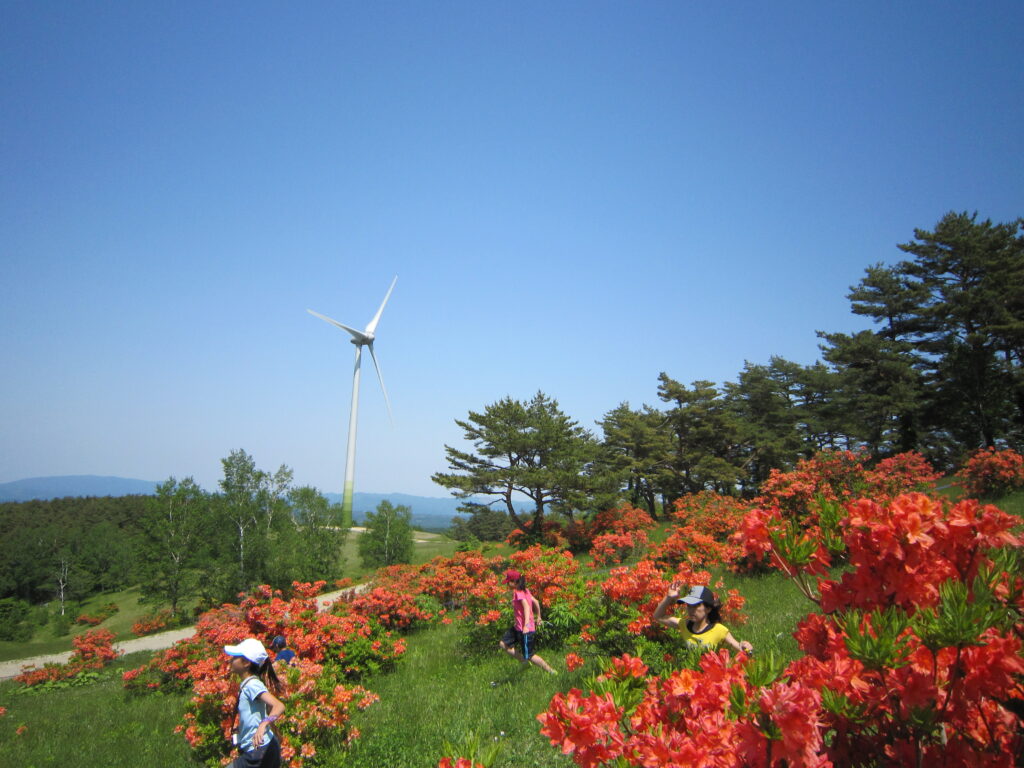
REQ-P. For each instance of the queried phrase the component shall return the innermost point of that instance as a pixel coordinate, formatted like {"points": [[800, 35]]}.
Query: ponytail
{"points": [[266, 673]]}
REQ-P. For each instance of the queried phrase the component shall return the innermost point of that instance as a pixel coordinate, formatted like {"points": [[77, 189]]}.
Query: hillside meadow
{"points": [[132, 606], [885, 623]]}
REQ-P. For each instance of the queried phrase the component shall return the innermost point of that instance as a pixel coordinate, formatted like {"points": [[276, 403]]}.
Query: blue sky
{"points": [[575, 196]]}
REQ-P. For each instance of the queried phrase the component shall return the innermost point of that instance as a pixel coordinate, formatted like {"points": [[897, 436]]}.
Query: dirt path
{"points": [[158, 642]]}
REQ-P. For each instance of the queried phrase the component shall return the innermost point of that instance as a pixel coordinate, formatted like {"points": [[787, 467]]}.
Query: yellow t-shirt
{"points": [[710, 637]]}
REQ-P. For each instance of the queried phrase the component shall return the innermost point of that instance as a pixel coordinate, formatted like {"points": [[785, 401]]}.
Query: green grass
{"points": [[1011, 502], [95, 725], [426, 547], [440, 694], [43, 642]]}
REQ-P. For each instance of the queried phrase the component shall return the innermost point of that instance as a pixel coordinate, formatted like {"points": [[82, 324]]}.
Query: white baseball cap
{"points": [[250, 648]]}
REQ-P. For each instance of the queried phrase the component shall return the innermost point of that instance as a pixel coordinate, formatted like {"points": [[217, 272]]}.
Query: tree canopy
{"points": [[529, 449]]}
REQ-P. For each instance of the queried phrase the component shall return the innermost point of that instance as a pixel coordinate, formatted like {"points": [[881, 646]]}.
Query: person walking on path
{"points": [[258, 707], [703, 625], [519, 639]]}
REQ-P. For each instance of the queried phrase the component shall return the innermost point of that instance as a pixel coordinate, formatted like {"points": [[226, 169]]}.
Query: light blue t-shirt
{"points": [[251, 712]]}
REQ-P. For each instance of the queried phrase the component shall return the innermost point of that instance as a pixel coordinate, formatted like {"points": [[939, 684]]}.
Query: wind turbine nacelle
{"points": [[363, 340]]}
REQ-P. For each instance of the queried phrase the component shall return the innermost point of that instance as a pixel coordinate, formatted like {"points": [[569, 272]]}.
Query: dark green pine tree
{"points": [[529, 449]]}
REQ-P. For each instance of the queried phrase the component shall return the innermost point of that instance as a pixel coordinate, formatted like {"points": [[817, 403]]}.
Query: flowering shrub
{"points": [[104, 613], [548, 572], [153, 622], [807, 505], [94, 649], [393, 608], [688, 544], [829, 475], [917, 660], [902, 473], [840, 476], [993, 473], [714, 514], [332, 649], [613, 548], [580, 534], [616, 616], [549, 534]]}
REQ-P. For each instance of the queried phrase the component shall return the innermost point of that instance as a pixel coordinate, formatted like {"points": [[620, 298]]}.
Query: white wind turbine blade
{"points": [[358, 335], [381, 380], [372, 326]]}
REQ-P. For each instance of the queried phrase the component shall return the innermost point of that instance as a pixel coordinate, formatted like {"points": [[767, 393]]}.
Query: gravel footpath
{"points": [[158, 642]]}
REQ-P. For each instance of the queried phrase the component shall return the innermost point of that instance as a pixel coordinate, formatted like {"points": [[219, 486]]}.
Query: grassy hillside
{"points": [[44, 641], [439, 693]]}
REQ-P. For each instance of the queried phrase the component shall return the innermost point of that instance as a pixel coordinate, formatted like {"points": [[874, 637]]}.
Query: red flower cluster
{"points": [[392, 608], [905, 551], [918, 663], [801, 510], [902, 473], [613, 548], [712, 513], [153, 622], [581, 534], [642, 586], [842, 476], [94, 649], [691, 545], [332, 648], [992, 473], [104, 613], [548, 572], [460, 762]]}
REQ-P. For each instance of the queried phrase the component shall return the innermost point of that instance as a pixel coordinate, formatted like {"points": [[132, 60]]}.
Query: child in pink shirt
{"points": [[518, 640]]}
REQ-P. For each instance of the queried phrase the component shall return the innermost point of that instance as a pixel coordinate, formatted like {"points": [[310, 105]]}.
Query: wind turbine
{"points": [[360, 339]]}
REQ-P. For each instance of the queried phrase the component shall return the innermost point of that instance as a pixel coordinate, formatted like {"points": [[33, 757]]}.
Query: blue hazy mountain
{"points": [[427, 511], [58, 487]]}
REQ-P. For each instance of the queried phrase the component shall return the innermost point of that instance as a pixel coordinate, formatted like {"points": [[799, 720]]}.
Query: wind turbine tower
{"points": [[360, 339]]}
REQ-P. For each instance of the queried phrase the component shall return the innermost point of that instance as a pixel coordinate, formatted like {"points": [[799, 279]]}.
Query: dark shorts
{"points": [[513, 638], [267, 756]]}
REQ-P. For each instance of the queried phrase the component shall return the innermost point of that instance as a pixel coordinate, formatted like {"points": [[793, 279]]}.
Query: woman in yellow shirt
{"points": [[703, 625]]}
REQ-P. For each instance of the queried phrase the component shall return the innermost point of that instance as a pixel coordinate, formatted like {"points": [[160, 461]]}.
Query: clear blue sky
{"points": [[574, 195]]}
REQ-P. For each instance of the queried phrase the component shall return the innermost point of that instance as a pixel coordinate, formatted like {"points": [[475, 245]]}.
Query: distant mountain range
{"points": [[427, 511], [60, 486]]}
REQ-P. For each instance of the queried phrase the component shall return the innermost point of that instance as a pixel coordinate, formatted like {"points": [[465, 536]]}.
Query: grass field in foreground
{"points": [[94, 725]]}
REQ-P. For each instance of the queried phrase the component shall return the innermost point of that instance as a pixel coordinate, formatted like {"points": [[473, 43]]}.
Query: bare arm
{"points": [[527, 613], [742, 645], [275, 708], [670, 598], [536, 609]]}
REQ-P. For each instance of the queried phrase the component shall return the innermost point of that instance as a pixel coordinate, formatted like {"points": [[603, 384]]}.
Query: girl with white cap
{"points": [[703, 625], [258, 707]]}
